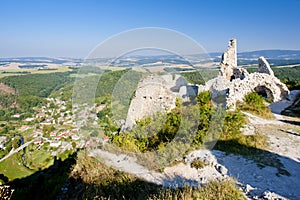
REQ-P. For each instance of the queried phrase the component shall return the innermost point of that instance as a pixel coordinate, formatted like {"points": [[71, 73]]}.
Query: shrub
{"points": [[198, 164], [254, 103]]}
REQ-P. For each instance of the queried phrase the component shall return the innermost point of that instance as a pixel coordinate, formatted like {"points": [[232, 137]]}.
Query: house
{"points": [[3, 140], [55, 143], [24, 128], [38, 140], [105, 139], [45, 123], [29, 119], [75, 137], [41, 115], [16, 115], [52, 134], [75, 130]]}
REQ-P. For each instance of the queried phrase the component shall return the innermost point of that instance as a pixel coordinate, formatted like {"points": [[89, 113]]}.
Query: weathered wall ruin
{"points": [[234, 82], [157, 93]]}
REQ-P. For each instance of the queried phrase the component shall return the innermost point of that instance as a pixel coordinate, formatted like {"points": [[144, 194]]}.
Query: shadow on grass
{"points": [[290, 122], [131, 189], [44, 184]]}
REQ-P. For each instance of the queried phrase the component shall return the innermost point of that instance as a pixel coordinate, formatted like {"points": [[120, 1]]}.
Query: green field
{"points": [[39, 159], [19, 171], [17, 72]]}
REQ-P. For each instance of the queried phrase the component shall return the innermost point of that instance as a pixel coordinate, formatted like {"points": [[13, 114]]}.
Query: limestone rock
{"points": [[221, 169], [268, 195], [264, 66], [294, 109]]}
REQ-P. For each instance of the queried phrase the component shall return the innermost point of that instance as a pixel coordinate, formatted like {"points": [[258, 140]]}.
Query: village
{"points": [[53, 127]]}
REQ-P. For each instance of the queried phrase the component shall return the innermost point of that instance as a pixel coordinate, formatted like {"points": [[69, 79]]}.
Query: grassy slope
{"points": [[19, 171], [94, 179]]}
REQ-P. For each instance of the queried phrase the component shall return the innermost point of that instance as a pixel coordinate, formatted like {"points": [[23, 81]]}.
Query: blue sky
{"points": [[73, 28]]}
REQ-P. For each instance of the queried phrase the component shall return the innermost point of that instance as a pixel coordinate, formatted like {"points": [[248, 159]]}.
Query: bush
{"points": [[254, 103], [254, 98], [198, 164]]}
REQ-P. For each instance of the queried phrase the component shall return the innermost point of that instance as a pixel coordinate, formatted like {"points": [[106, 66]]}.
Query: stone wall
{"points": [[158, 93], [229, 60], [234, 82], [151, 96], [264, 66]]}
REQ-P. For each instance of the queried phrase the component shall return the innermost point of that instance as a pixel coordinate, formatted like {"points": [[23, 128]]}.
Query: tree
{"points": [[74, 145], [16, 143]]}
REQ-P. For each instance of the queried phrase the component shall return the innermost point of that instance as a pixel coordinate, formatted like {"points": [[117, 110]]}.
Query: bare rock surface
{"points": [[279, 179], [264, 66]]}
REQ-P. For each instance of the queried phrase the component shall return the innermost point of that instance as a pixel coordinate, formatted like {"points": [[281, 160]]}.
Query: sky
{"points": [[72, 28]]}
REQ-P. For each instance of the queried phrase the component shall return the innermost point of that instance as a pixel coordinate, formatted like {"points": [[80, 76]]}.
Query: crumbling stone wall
{"points": [[234, 82]]}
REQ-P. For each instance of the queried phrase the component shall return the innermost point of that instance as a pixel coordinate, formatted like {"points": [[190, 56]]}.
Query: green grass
{"points": [[12, 168], [39, 159], [20, 72]]}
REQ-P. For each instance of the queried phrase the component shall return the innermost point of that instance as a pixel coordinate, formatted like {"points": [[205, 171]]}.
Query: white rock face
{"points": [[158, 93], [229, 60], [264, 66]]}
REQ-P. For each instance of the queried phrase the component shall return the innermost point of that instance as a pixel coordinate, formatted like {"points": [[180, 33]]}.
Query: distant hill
{"points": [[272, 54], [275, 57], [39, 60]]}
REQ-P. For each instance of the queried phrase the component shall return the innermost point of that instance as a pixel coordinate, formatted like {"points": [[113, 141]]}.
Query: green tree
{"points": [[74, 144], [16, 143]]}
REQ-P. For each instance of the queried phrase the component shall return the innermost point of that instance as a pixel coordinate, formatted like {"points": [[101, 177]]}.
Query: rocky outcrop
{"points": [[158, 93], [264, 67], [294, 109]]}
